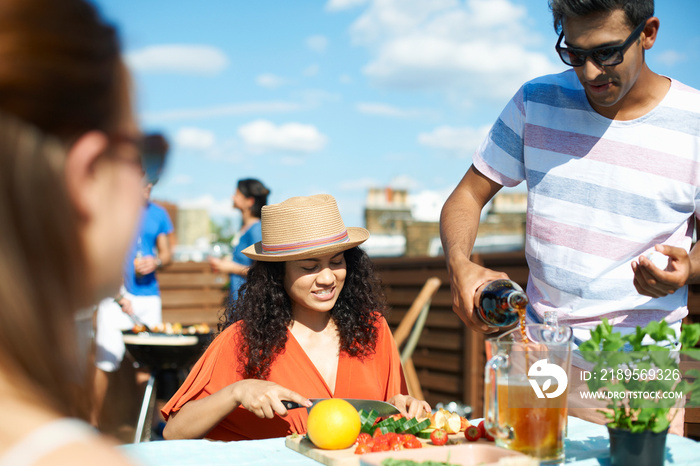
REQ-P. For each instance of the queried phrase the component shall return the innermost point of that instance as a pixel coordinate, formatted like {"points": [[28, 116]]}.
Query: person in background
{"points": [[152, 251], [250, 197], [72, 162], [309, 324], [138, 299], [610, 152]]}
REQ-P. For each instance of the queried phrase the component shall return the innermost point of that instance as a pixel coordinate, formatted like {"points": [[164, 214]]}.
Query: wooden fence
{"points": [[449, 358]]}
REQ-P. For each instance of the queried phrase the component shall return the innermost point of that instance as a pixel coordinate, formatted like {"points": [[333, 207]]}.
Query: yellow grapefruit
{"points": [[333, 424]]}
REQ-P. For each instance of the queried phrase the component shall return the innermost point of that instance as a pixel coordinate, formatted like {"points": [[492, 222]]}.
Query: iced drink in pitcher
{"points": [[526, 390]]}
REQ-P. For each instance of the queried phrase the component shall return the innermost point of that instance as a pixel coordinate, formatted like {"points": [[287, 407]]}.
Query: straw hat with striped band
{"points": [[303, 227]]}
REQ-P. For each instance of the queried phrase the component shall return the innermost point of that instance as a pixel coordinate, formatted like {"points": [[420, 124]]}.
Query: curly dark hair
{"points": [[265, 310]]}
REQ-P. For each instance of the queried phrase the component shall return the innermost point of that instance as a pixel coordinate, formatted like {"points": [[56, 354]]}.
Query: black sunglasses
{"points": [[152, 148], [602, 56]]}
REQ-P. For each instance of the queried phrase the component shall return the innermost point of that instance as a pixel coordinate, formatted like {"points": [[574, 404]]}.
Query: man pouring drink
{"points": [[609, 152]]}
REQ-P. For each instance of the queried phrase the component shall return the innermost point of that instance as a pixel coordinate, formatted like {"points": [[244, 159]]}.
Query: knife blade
{"points": [[382, 408]]}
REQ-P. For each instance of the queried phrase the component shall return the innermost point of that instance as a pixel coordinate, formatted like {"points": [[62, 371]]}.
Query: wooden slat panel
{"points": [[192, 280], [441, 341], [404, 297], [443, 319], [189, 316], [442, 382], [432, 360], [187, 297], [186, 267], [411, 277]]}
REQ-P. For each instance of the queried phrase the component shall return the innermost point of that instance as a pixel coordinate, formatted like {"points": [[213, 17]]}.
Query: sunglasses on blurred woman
{"points": [[153, 149]]}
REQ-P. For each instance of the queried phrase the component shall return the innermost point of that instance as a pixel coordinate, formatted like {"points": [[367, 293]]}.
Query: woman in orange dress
{"points": [[311, 326]]}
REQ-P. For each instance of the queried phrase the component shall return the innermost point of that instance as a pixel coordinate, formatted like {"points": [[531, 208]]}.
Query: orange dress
{"points": [[378, 377]]}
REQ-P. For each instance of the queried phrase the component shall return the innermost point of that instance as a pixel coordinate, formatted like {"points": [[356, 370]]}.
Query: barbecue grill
{"points": [[168, 356]]}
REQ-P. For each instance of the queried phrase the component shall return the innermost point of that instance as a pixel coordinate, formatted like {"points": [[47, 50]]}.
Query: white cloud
{"points": [[426, 205], [481, 47], [265, 136], [404, 182], [379, 109], [317, 43], [182, 59], [345, 79], [290, 161], [311, 70], [316, 97], [195, 138], [245, 108], [360, 184], [270, 80], [670, 57], [462, 141], [339, 5]]}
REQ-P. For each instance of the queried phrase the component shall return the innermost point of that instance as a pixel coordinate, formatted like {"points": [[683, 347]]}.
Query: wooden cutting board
{"points": [[348, 457], [304, 446]]}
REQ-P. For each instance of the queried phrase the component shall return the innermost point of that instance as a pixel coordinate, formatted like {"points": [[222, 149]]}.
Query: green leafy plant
{"points": [[625, 365]]}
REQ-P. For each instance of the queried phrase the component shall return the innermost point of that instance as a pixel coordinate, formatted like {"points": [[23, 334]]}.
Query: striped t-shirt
{"points": [[601, 192]]}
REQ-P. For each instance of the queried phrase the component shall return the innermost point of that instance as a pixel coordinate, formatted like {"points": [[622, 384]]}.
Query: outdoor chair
{"points": [[409, 330]]}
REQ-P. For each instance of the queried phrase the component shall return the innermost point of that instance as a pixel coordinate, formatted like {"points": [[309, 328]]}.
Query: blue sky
{"points": [[338, 96]]}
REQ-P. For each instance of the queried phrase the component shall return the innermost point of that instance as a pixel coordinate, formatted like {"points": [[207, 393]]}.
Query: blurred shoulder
{"points": [[86, 453]]}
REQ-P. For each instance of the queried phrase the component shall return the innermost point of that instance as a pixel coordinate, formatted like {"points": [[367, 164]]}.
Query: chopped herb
{"points": [[395, 462]]}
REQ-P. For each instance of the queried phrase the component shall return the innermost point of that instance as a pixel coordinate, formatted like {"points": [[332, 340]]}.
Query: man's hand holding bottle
{"points": [[465, 278]]}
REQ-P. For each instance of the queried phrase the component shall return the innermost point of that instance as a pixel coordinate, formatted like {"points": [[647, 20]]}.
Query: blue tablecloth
{"points": [[586, 444]]}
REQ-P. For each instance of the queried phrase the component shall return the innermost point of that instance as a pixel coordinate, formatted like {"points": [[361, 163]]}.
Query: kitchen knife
{"points": [[382, 408]]}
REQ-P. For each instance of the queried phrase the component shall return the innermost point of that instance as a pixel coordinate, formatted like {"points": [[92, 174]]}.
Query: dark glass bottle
{"points": [[499, 302]]}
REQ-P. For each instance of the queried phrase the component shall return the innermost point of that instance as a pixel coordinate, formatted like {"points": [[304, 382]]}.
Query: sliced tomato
{"points": [[411, 441], [363, 448], [381, 446]]}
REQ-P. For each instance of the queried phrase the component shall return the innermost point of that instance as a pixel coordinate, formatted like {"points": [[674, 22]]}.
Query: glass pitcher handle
{"points": [[492, 422]]}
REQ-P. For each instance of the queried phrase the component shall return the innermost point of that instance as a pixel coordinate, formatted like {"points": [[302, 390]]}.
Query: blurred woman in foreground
{"points": [[70, 197]]}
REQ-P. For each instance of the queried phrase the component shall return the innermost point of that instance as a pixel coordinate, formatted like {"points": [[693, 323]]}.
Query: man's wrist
{"points": [[159, 263]]}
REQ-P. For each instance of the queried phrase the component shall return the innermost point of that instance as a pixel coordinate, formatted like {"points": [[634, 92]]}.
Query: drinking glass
{"points": [[217, 251]]}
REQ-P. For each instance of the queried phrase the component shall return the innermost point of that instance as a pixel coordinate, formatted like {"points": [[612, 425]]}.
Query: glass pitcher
{"points": [[526, 390]]}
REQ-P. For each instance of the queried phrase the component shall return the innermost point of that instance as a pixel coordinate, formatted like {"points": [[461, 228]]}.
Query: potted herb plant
{"points": [[641, 377]]}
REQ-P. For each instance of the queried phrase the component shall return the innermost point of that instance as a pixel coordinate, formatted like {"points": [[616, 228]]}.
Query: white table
{"points": [[585, 444]]}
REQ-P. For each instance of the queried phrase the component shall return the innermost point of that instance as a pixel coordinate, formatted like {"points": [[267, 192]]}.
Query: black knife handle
{"points": [[291, 404]]}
